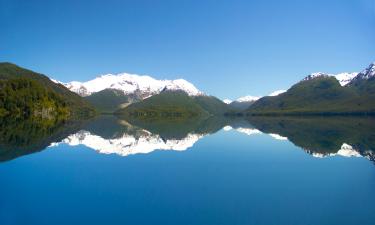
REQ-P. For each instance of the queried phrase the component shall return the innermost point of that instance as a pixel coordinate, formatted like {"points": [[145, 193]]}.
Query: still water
{"points": [[213, 171]]}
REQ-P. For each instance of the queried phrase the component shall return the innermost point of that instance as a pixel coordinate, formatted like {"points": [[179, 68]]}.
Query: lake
{"points": [[257, 170]]}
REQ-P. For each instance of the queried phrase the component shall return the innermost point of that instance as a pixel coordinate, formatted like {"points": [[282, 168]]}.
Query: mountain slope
{"points": [[176, 104], [109, 100], [364, 82], [77, 106], [25, 98], [212, 105], [321, 93], [167, 104], [243, 102], [109, 93]]}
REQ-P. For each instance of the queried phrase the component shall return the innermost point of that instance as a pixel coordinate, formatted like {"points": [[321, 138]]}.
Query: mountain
{"points": [[276, 93], [342, 78], [364, 82], [25, 98], [144, 86], [177, 105], [212, 105], [245, 102], [321, 93], [109, 93], [110, 100], [167, 104], [39, 91]]}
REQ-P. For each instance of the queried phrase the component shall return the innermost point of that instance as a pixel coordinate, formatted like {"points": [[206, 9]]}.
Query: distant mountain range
{"points": [[321, 93], [317, 93], [175, 105], [109, 93], [245, 102], [143, 96]]}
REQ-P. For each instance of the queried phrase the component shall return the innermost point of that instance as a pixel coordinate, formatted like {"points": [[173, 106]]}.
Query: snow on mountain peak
{"points": [[227, 101], [130, 83], [181, 84], [276, 93], [343, 78], [368, 72], [248, 98], [315, 75]]}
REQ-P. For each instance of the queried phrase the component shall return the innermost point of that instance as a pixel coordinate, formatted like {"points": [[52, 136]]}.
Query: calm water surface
{"points": [[216, 171]]}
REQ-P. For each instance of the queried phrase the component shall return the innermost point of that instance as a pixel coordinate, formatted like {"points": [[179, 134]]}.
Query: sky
{"points": [[225, 48]]}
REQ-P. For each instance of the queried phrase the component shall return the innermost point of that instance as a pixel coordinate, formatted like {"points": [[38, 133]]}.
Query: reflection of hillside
{"points": [[318, 136], [323, 136], [170, 129], [20, 137], [108, 134]]}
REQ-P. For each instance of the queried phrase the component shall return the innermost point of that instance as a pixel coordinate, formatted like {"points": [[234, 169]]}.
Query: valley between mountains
{"points": [[28, 94]]}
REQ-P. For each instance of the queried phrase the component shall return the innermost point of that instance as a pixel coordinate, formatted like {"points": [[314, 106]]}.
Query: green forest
{"points": [[23, 97]]}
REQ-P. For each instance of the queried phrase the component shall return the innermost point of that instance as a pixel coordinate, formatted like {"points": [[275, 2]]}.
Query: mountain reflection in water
{"points": [[318, 136]]}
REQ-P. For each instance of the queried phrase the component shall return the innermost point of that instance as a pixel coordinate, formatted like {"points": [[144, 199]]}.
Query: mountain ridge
{"points": [[130, 84], [321, 93]]}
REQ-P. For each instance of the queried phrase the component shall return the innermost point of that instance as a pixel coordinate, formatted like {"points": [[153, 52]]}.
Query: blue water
{"points": [[225, 178]]}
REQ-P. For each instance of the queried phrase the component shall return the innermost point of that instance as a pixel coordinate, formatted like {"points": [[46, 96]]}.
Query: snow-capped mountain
{"points": [[250, 98], [367, 73], [276, 93], [243, 99], [129, 144], [343, 78], [130, 84], [241, 103], [227, 101]]}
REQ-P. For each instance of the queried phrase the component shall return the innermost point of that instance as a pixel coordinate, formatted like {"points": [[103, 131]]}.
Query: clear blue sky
{"points": [[226, 48]]}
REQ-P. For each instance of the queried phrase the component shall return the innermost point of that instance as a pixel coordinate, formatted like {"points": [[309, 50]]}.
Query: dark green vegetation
{"points": [[23, 97], [47, 98], [321, 95], [174, 105], [241, 106], [324, 135], [109, 100], [315, 134], [168, 129], [212, 105], [19, 136]]}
